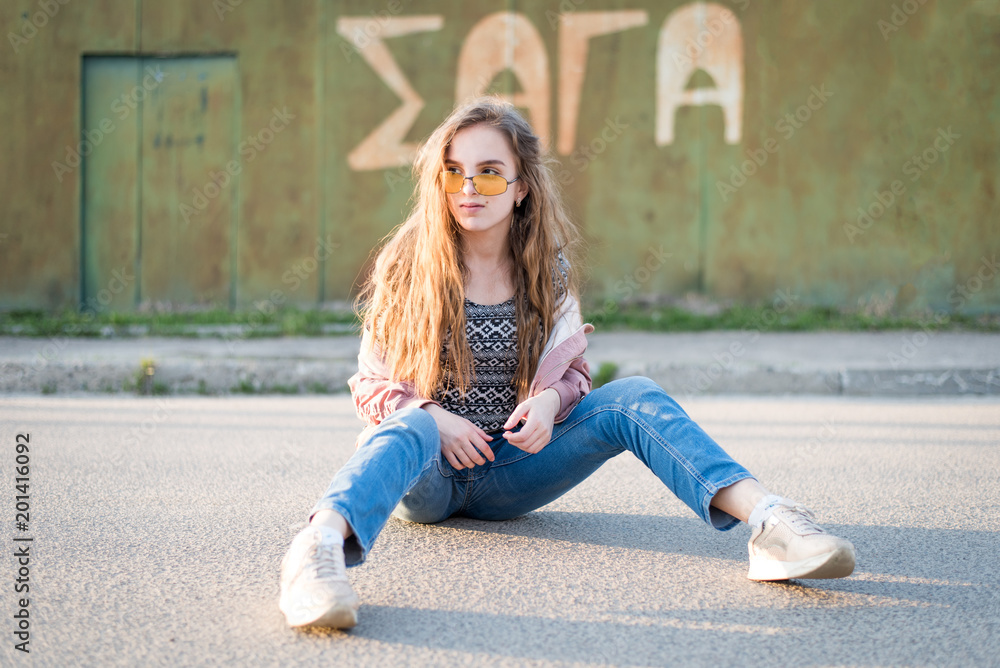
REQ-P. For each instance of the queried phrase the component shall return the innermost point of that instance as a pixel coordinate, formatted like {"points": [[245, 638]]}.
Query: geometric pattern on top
{"points": [[491, 331]]}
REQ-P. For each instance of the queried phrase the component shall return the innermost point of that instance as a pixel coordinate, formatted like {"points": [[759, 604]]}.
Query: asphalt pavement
{"points": [[158, 525]]}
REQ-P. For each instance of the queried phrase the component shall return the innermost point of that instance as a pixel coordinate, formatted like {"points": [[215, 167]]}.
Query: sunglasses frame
{"points": [[473, 179]]}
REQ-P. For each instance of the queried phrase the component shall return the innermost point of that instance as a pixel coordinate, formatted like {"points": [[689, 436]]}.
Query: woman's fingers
{"points": [[468, 455], [526, 433], [519, 412], [533, 444], [453, 460], [532, 437], [480, 444]]}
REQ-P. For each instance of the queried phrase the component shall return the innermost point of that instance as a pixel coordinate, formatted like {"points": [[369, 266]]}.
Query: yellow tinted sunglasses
{"points": [[485, 184]]}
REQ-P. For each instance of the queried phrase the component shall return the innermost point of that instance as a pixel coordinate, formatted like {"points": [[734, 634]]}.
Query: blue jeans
{"points": [[399, 466]]}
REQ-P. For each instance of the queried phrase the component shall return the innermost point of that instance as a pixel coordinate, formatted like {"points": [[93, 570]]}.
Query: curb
{"points": [[329, 376], [269, 376], [684, 381]]}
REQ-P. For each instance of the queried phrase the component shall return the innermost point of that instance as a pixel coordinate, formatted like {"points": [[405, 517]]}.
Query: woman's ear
{"points": [[522, 192]]}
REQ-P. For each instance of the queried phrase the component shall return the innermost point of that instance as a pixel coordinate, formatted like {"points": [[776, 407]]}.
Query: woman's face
{"points": [[481, 149]]}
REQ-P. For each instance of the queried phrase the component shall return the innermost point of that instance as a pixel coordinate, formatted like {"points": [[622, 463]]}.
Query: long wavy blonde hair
{"points": [[413, 302]]}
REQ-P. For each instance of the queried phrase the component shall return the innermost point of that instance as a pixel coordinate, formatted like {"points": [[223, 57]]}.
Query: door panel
{"points": [[160, 181], [110, 155], [188, 196]]}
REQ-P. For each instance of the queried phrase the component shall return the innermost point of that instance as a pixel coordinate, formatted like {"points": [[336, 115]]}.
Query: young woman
{"points": [[478, 400]]}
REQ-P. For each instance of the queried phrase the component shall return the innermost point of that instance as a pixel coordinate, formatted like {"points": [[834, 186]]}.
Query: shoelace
{"points": [[325, 562], [802, 520]]}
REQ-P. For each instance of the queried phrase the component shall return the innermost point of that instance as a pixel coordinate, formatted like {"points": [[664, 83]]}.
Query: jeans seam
{"points": [[467, 496], [707, 499], [514, 461]]}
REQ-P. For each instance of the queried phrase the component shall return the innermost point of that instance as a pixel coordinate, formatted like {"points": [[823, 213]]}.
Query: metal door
{"points": [[160, 181]]}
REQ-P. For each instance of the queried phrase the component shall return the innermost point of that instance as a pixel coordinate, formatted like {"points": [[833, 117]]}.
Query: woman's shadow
{"points": [[900, 569]]}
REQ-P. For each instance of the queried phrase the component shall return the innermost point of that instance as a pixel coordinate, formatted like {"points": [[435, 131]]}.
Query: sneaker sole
{"points": [[338, 617], [836, 564]]}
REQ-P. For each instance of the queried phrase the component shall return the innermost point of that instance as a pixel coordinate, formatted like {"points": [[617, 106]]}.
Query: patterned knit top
{"points": [[491, 331]]}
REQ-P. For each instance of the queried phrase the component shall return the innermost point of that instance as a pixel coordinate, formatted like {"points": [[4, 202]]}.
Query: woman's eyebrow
{"points": [[479, 164]]}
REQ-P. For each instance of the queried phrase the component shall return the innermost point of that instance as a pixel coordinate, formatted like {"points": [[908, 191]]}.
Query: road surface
{"points": [[158, 526]]}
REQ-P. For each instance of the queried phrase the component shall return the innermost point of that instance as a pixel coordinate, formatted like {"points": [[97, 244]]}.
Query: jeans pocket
{"points": [[444, 468]]}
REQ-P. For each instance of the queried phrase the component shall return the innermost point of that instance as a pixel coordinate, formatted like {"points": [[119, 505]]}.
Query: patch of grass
{"points": [[202, 387], [243, 387], [765, 318], [280, 389], [317, 387], [250, 323], [605, 374], [292, 321], [49, 387]]}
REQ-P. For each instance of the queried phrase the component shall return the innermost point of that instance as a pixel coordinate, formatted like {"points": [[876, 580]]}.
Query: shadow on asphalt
{"points": [[913, 592], [676, 535], [922, 566]]}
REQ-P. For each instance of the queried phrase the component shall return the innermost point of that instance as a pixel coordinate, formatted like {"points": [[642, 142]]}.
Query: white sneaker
{"points": [[788, 544], [315, 590]]}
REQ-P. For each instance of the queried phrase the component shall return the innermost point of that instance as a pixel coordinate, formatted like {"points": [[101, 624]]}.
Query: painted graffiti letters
{"points": [[385, 147], [720, 55], [575, 32], [699, 36]]}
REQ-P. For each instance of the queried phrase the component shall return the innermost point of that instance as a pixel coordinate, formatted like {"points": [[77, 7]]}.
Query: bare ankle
{"points": [[333, 520]]}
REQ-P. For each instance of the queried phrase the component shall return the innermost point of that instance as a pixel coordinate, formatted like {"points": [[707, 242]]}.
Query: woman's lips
{"points": [[471, 206]]}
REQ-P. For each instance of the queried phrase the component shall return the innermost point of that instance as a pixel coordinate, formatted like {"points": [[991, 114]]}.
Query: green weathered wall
{"points": [[892, 75]]}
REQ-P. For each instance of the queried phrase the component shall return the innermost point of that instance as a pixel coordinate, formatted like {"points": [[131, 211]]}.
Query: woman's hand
{"points": [[539, 414], [461, 441]]}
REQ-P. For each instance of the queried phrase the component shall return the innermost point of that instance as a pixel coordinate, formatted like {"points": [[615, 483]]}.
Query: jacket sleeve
{"points": [[375, 395], [572, 387]]}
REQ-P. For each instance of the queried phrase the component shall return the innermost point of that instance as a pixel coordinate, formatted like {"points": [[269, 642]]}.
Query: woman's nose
{"points": [[468, 187]]}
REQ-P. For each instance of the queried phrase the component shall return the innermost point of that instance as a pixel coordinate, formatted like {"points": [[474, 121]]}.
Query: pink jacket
{"points": [[561, 367]]}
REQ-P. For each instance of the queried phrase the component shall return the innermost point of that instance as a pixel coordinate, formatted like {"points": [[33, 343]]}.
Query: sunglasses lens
{"points": [[489, 184], [452, 182]]}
